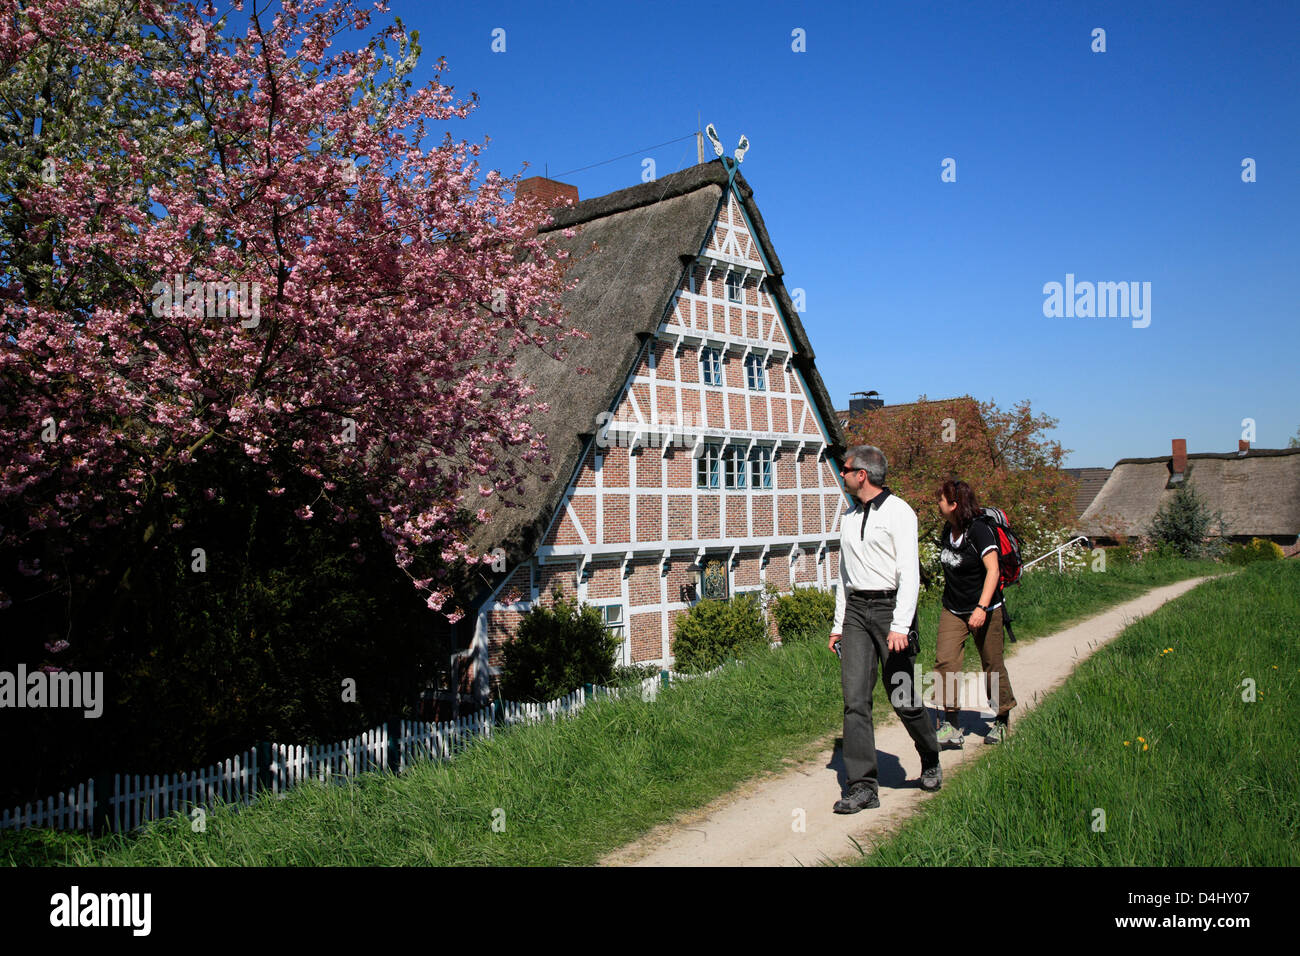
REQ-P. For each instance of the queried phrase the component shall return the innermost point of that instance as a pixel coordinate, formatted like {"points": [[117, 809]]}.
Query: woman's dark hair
{"points": [[963, 496]]}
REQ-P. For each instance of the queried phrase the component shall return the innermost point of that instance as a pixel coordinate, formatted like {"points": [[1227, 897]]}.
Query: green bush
{"points": [[716, 631], [1121, 555], [1184, 522], [1259, 549], [556, 650], [804, 614]]}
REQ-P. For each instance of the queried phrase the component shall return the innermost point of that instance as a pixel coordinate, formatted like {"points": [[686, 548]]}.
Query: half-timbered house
{"points": [[698, 456]]}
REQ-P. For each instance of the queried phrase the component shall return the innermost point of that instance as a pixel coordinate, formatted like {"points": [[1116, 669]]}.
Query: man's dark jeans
{"points": [[864, 643]]}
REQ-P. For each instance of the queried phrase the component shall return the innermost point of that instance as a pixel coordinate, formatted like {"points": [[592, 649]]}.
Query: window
{"points": [[711, 366], [735, 462], [733, 287], [708, 467], [760, 468], [612, 614], [755, 372]]}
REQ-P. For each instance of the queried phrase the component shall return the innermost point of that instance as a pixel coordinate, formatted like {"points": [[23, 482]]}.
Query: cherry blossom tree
{"points": [[225, 241]]}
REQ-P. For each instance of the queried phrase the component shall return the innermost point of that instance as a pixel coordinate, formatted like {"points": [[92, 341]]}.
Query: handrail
{"points": [[1060, 559]]}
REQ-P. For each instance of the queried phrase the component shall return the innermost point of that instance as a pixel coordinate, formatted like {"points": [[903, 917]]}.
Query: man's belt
{"points": [[873, 594]]}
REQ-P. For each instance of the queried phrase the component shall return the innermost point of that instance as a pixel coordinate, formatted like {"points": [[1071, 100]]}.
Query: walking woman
{"points": [[972, 607]]}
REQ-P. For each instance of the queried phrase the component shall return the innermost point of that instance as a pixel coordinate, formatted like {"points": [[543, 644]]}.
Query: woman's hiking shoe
{"points": [[931, 777], [861, 797], [998, 733], [950, 737]]}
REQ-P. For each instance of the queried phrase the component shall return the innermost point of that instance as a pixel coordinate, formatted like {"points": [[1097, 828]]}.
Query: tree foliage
{"points": [[324, 439], [154, 158], [1005, 455], [1185, 521]]}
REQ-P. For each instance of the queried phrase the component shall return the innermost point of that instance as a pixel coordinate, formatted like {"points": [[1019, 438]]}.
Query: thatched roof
{"points": [[964, 401], [645, 238], [1258, 493], [1090, 481]]}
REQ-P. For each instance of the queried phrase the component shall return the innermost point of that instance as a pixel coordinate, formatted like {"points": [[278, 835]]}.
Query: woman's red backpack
{"points": [[1010, 563]]}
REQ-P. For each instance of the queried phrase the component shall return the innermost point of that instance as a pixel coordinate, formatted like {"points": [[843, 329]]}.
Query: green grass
{"points": [[571, 791], [1045, 601], [1219, 782]]}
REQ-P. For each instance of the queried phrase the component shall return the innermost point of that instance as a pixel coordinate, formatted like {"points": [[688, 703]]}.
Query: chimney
{"points": [[1243, 446], [552, 193], [864, 401], [1180, 457]]}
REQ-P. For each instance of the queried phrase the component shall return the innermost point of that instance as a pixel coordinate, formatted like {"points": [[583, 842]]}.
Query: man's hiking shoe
{"points": [[860, 797], [998, 733], [950, 738], [931, 777]]}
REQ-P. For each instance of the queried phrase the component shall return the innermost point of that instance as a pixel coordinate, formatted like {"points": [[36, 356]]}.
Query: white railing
{"points": [[1060, 557]]}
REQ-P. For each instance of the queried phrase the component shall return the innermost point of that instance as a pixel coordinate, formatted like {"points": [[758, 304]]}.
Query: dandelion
{"points": [[1144, 746], [1126, 743], [1143, 739]]}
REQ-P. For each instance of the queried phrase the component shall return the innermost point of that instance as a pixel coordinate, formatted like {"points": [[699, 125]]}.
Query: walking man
{"points": [[875, 621]]}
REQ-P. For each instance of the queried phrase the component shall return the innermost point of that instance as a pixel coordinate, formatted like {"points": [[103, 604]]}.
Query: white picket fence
{"points": [[139, 799], [136, 800], [422, 740], [511, 713], [67, 811], [292, 764]]}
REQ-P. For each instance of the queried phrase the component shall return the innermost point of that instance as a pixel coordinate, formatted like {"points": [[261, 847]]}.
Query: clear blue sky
{"points": [[1115, 166]]}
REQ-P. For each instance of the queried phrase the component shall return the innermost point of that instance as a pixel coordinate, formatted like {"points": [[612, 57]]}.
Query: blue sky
{"points": [[1117, 166]]}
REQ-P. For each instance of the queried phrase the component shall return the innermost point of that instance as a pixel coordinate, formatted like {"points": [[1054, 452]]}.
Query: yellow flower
{"points": [[1144, 746], [1126, 743], [1143, 739]]}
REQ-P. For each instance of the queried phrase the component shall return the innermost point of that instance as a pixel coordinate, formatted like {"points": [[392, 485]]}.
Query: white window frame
{"points": [[735, 467], [760, 469], [625, 649], [756, 373], [710, 463], [735, 287], [711, 366]]}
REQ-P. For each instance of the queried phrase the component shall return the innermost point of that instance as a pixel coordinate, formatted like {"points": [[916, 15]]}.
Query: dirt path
{"points": [[756, 824]]}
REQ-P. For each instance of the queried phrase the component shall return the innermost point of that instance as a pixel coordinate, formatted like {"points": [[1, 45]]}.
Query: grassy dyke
{"points": [[1205, 778], [572, 791]]}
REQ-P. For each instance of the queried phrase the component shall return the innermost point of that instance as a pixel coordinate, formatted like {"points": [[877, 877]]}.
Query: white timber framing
{"points": [[681, 331]]}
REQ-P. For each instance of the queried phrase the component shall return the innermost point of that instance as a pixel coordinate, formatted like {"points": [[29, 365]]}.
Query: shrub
{"points": [[803, 614], [1259, 549], [713, 632], [1123, 554], [556, 650], [1184, 522]]}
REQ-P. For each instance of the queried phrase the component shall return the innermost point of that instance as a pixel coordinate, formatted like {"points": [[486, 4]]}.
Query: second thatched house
{"points": [[1257, 491]]}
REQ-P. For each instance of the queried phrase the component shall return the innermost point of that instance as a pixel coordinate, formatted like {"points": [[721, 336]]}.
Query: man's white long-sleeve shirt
{"points": [[878, 552]]}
